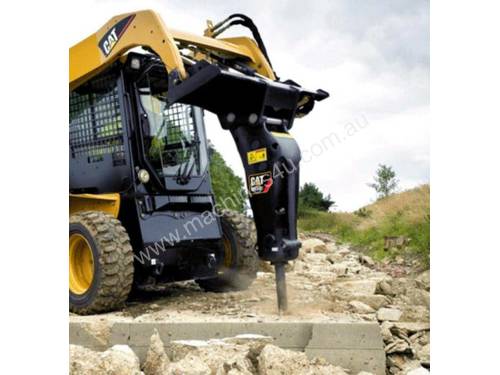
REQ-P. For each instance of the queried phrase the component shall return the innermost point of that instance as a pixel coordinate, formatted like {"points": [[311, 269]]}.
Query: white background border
{"points": [[465, 186]]}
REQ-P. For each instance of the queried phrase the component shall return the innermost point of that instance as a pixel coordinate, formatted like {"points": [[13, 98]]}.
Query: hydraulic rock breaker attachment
{"points": [[258, 112]]}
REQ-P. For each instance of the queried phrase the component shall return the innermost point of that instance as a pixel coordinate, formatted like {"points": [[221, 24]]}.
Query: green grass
{"points": [[404, 214]]}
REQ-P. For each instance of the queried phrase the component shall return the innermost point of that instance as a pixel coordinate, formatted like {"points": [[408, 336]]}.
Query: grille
{"points": [[95, 127]]}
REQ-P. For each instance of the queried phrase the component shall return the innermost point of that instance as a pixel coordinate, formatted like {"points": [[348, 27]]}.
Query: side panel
{"points": [[173, 227], [99, 157], [172, 244], [109, 203]]}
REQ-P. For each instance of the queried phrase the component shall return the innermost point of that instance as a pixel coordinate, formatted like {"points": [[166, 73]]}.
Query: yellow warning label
{"points": [[257, 156]]}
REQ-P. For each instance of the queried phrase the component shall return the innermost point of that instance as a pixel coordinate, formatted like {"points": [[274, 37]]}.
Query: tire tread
{"points": [[115, 260]]}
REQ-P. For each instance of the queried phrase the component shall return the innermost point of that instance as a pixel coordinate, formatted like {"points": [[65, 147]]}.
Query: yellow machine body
{"points": [[147, 29], [109, 203]]}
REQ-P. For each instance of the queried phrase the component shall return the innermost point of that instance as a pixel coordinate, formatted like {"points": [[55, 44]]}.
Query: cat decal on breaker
{"points": [[260, 183]]}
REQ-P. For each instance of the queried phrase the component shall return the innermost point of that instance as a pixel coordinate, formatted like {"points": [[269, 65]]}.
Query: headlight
{"points": [[135, 63], [143, 176]]}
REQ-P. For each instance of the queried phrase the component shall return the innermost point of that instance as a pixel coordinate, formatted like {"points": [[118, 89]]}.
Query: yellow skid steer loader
{"points": [[142, 210]]}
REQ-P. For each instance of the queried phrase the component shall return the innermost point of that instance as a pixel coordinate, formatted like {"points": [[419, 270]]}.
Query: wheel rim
{"points": [[228, 254], [81, 264]]}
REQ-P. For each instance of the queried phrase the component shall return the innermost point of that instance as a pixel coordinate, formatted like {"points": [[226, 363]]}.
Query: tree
{"points": [[228, 188], [386, 182], [310, 196]]}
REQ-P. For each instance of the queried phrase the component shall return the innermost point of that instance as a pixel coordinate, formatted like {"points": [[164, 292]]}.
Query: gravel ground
{"points": [[329, 282]]}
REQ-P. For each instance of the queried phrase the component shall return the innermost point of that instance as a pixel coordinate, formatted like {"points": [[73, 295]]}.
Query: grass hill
{"points": [[402, 214]]}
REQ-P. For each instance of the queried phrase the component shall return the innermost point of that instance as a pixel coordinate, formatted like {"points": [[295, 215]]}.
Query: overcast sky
{"points": [[371, 55]]}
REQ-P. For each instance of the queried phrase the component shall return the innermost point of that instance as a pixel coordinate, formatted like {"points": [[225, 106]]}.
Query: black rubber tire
{"points": [[114, 270], [240, 231]]}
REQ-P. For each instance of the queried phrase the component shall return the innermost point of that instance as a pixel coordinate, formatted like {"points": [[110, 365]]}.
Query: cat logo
{"points": [[109, 40], [260, 183], [108, 45]]}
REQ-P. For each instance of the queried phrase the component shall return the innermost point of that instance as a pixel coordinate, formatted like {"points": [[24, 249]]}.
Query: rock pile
{"points": [[118, 360], [240, 355], [400, 304]]}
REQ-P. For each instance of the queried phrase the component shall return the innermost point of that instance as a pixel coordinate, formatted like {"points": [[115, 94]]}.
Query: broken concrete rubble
{"points": [[189, 365], [276, 361], [389, 314], [118, 360], [361, 308], [424, 280], [418, 371], [328, 281], [157, 360], [314, 245], [366, 260]]}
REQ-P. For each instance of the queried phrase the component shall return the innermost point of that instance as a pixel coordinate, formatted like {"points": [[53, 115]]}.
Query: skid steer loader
{"points": [[142, 212]]}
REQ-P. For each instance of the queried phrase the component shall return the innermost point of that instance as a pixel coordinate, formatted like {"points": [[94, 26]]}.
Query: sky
{"points": [[372, 56]]}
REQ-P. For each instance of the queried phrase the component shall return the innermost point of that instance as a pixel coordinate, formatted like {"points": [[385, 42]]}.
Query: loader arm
{"points": [[146, 29], [233, 78]]}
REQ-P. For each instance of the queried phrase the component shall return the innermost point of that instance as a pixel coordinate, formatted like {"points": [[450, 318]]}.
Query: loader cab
{"points": [[172, 137]]}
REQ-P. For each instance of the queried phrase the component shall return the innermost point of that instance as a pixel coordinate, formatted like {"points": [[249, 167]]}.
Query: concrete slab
{"points": [[356, 346], [363, 335], [290, 335]]}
